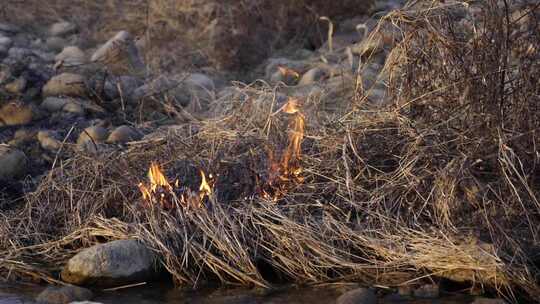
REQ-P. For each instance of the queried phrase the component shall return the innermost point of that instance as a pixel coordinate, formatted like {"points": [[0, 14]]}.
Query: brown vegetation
{"points": [[229, 34]]}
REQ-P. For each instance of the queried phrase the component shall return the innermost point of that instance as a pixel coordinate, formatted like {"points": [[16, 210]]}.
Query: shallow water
{"points": [[163, 294]]}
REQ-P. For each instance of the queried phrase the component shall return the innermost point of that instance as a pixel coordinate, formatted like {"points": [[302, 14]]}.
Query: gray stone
{"points": [[13, 163], [67, 84], [62, 28], [54, 104], [5, 74], [9, 28], [427, 291], [120, 55], [70, 56], [156, 87], [122, 86], [19, 53], [358, 296], [123, 134], [6, 41], [111, 264], [56, 44], [64, 295]]}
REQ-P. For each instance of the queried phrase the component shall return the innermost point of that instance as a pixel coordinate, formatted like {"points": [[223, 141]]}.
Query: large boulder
{"points": [[64, 295], [111, 264], [65, 84]]}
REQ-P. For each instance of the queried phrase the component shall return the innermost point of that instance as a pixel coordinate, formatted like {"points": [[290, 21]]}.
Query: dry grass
{"points": [[443, 183]]}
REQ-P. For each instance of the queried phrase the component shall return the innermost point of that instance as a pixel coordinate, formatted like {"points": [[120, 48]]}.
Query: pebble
{"points": [[74, 107]]}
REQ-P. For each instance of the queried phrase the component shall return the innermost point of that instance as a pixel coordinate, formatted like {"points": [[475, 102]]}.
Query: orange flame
{"points": [[281, 174], [161, 191]]}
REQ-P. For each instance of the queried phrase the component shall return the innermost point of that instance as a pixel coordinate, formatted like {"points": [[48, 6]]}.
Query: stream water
{"points": [[162, 294]]}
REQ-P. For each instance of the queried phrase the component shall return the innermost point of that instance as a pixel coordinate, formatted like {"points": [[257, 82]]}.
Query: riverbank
{"points": [[408, 157]]}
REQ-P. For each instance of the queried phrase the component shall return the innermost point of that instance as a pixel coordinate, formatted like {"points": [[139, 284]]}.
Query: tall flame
{"points": [[288, 170]]}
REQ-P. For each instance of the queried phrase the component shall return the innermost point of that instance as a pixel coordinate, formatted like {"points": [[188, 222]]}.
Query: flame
{"points": [[161, 192], [287, 171], [157, 178]]}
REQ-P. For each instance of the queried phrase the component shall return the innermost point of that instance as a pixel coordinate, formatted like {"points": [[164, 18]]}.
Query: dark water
{"points": [[160, 294]]}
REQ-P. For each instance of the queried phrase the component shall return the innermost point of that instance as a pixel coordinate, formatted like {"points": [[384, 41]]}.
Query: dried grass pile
{"points": [[443, 183]]}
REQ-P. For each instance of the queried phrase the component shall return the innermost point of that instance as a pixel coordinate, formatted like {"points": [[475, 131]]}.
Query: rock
{"points": [[312, 76], [64, 295], [84, 302], [54, 104], [74, 107], [111, 264], [9, 28], [123, 134], [56, 44], [121, 86], [15, 113], [19, 54], [120, 55], [6, 41], [70, 56], [17, 86], [48, 140], [154, 88], [428, 291], [488, 301], [358, 296], [92, 134], [67, 84], [12, 163], [63, 28]]}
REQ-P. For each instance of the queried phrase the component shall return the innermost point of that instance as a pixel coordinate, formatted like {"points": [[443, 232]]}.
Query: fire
{"points": [[160, 191], [287, 171]]}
